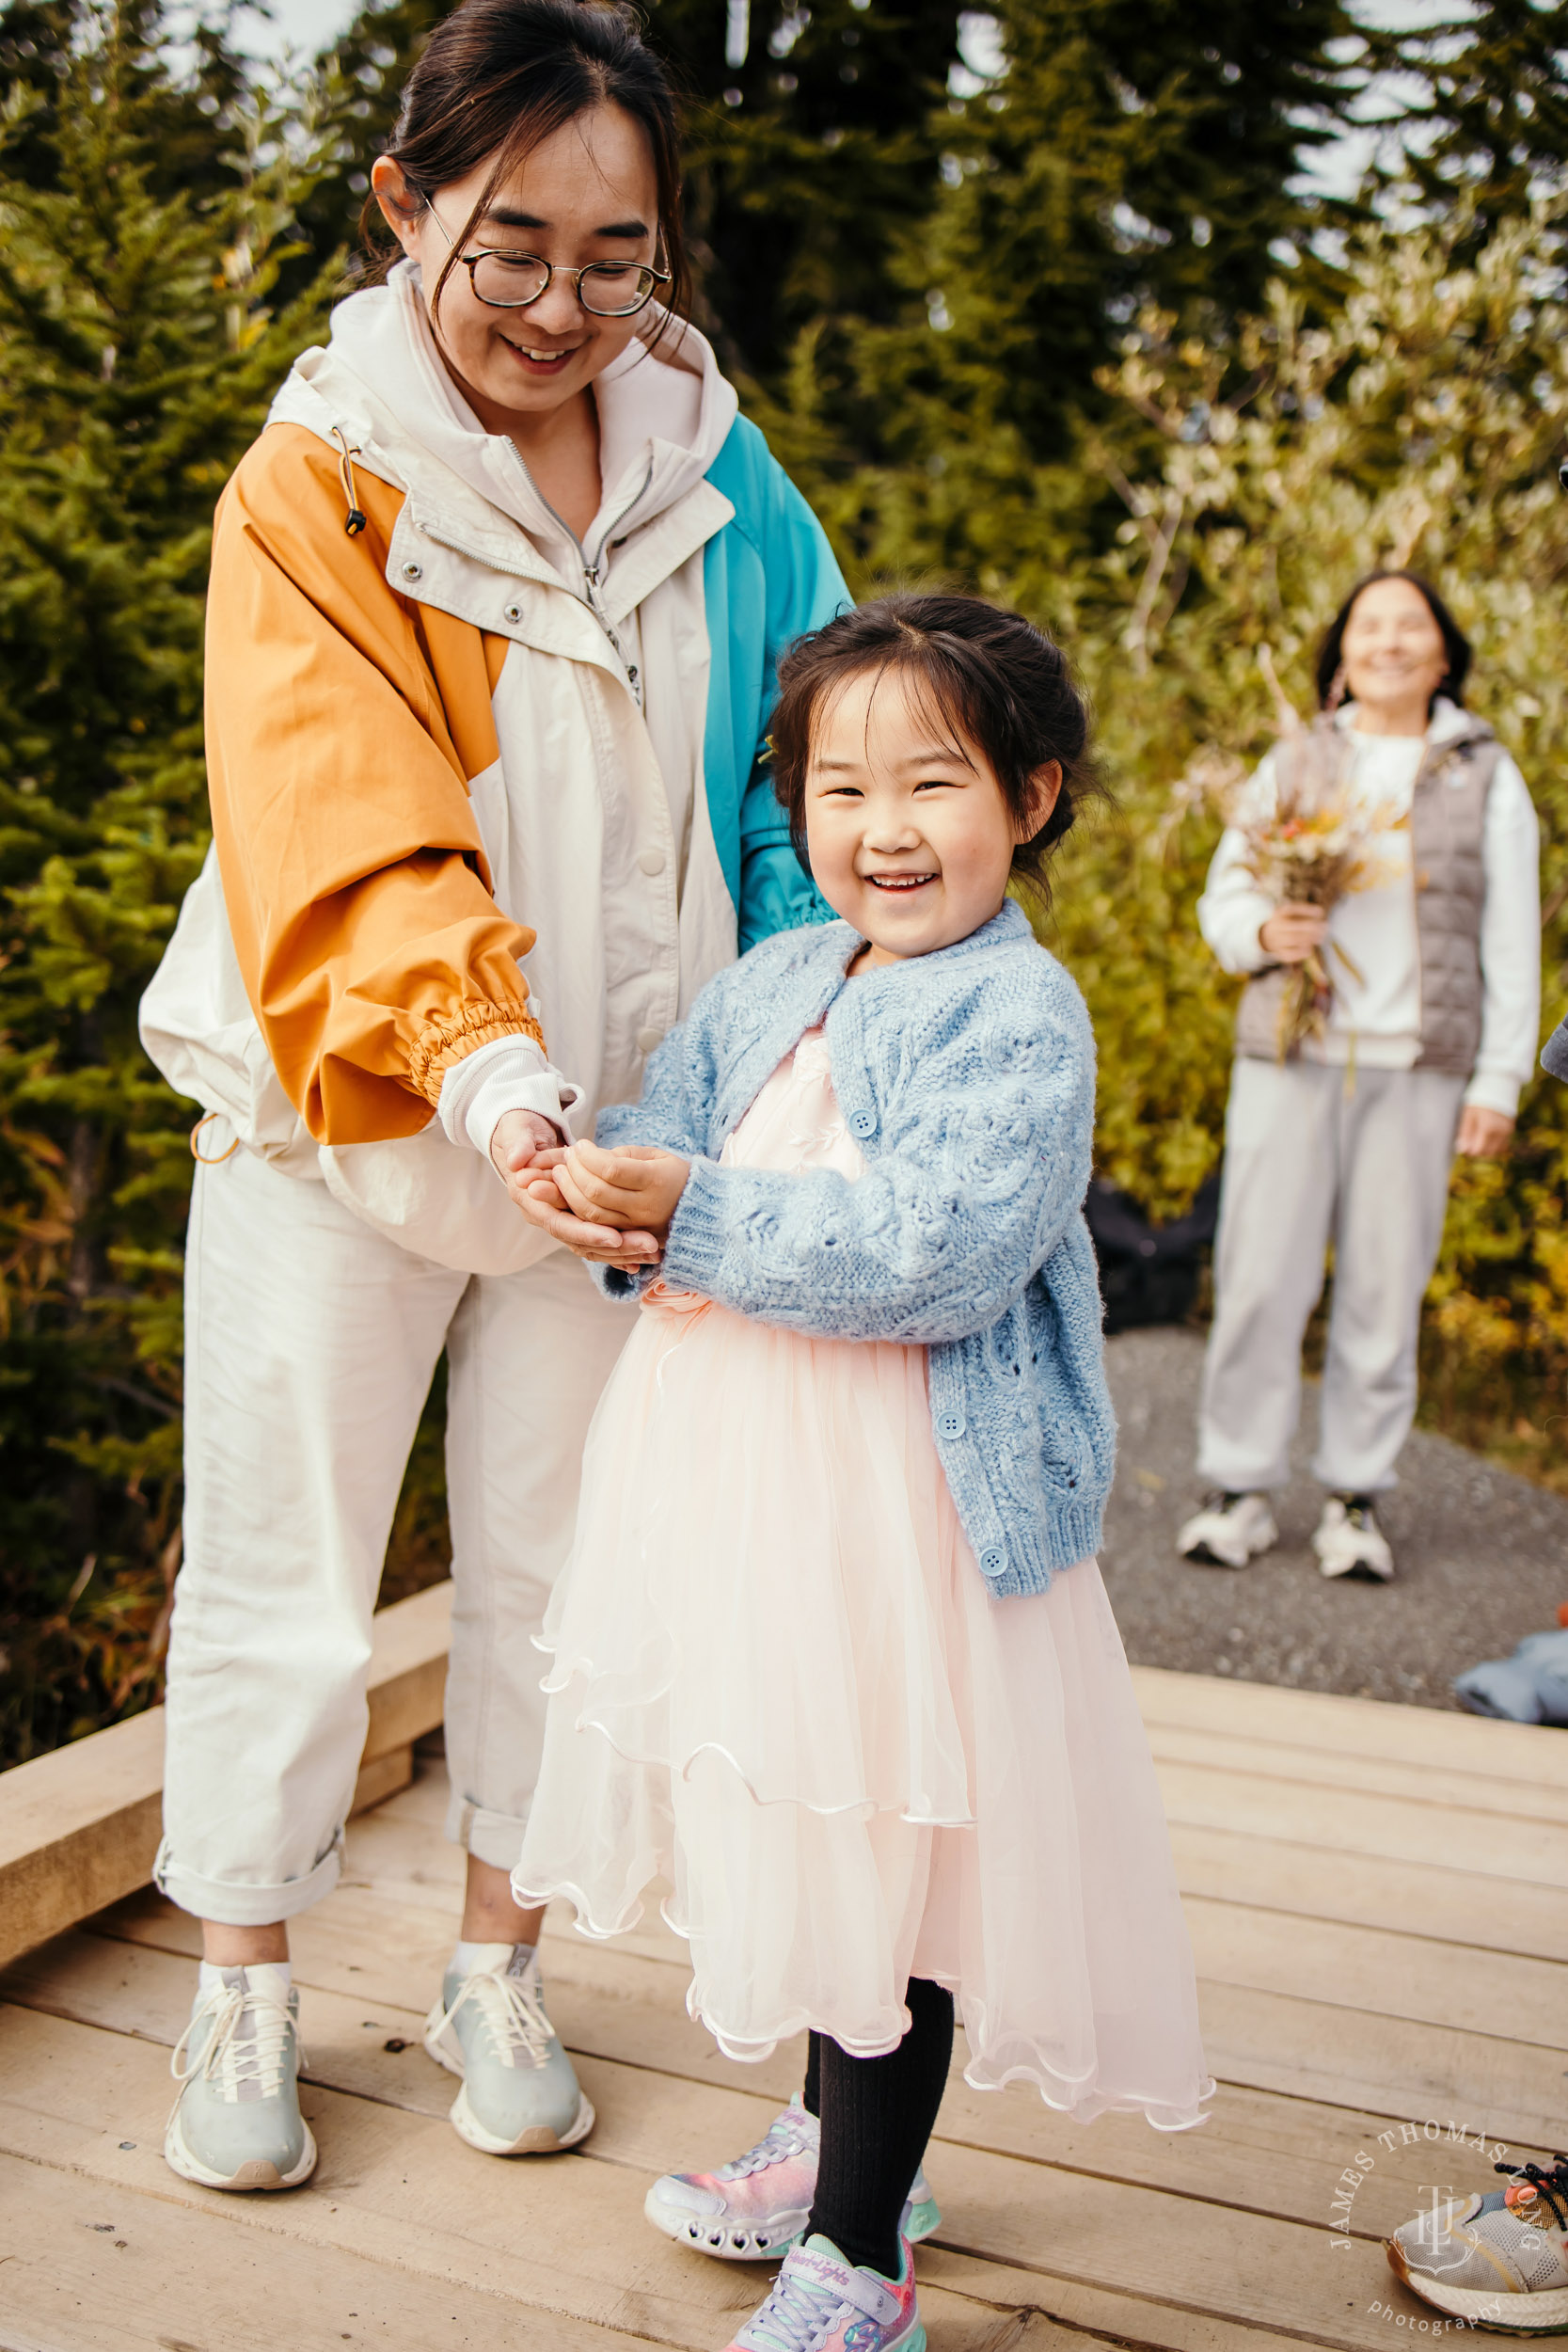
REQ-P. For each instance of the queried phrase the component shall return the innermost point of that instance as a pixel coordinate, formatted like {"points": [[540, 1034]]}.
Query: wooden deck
{"points": [[1378, 1900]]}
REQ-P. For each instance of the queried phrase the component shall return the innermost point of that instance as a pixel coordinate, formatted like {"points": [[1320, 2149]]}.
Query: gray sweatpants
{"points": [[1309, 1160]]}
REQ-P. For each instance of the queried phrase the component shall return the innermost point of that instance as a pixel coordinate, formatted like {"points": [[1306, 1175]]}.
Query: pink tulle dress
{"points": [[780, 1684]]}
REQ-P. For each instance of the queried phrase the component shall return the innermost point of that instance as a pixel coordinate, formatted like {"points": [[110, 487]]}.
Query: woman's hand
{"points": [[1482, 1134], [1292, 933], [526, 1152], [636, 1188]]}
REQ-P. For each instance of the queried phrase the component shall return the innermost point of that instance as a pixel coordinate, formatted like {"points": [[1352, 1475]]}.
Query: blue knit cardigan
{"points": [[966, 1079]]}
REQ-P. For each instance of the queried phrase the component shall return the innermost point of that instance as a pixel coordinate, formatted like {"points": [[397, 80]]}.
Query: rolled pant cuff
{"points": [[496, 1839], [1229, 1480], [233, 1906], [1379, 1483]]}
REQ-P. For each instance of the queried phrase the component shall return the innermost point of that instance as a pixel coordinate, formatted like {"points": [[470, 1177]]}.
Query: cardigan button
{"points": [[993, 1560], [863, 1122], [952, 1424]]}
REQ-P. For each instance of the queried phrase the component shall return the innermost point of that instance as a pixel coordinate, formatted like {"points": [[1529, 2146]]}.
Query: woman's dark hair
{"points": [[1455, 643], [496, 77], [989, 679]]}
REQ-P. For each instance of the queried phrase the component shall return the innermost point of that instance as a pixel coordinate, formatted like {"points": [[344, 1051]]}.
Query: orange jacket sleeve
{"points": [[343, 724]]}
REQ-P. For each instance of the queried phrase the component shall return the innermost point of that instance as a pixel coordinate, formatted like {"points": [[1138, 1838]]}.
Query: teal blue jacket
{"points": [[768, 576]]}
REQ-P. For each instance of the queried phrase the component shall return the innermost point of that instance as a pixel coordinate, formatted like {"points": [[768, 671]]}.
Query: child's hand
{"points": [[637, 1187], [529, 1156]]}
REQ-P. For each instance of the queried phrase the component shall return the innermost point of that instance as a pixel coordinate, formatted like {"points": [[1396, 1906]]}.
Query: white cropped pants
{"points": [[309, 1345], [1311, 1158]]}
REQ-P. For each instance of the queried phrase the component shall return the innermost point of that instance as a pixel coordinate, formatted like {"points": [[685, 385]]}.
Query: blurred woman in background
{"points": [[1349, 1140]]}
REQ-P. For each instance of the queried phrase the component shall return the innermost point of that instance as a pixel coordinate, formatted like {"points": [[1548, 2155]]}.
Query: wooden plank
{"points": [[1371, 1727], [1257, 2153], [79, 1828], [1450, 1786], [395, 2188], [1351, 2058], [154, 2276], [1399, 1975], [1392, 1829], [1319, 1883], [382, 1778]]}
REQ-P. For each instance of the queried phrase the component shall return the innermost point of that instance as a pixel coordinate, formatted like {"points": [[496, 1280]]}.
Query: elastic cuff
{"points": [[496, 1839], [694, 1247], [476, 1026], [230, 1905], [1491, 1090]]}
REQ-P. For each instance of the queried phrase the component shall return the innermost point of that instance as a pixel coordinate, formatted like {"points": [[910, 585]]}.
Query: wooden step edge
{"points": [[79, 1828]]}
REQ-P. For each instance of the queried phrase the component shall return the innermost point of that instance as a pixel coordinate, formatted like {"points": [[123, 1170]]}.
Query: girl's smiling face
{"points": [[910, 835], [588, 193]]}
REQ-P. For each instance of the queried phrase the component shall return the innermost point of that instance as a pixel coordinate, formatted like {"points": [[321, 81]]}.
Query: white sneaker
{"points": [[235, 2122], [1230, 1531], [520, 2094], [1348, 1537]]}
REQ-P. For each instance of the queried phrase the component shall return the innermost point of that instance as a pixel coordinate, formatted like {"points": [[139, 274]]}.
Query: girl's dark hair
{"points": [[1455, 643], [496, 77], [989, 679]]}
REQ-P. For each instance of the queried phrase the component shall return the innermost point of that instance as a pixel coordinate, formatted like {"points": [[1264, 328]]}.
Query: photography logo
{"points": [[1432, 2238]]}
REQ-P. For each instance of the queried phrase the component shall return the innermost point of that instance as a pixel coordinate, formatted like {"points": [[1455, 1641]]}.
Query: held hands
{"points": [[609, 1208], [1292, 933]]}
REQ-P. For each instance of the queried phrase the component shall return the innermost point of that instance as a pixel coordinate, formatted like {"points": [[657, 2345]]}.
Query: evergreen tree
{"points": [[1491, 129], [137, 352]]}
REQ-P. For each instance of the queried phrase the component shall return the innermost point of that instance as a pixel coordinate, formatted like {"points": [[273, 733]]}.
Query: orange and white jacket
{"points": [[487, 808]]}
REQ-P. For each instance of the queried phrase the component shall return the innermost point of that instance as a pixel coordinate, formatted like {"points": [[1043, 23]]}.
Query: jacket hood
{"points": [[664, 416]]}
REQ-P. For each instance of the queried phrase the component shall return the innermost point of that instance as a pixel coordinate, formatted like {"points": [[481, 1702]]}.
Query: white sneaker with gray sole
{"points": [[520, 2094], [1230, 1531], [235, 2122]]}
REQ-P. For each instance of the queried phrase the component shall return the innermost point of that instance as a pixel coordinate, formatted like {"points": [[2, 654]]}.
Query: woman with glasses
{"points": [[495, 601]]}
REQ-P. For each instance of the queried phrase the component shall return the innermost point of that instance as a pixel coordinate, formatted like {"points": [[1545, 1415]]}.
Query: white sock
{"points": [[472, 1960], [209, 1976]]}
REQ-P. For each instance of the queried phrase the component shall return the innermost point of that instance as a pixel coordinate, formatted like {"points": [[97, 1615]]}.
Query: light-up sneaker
{"points": [[1499, 2262], [235, 2122], [757, 2205], [520, 2095], [820, 2304]]}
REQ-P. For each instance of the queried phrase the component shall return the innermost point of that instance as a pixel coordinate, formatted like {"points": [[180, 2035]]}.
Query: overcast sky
{"points": [[311, 25]]}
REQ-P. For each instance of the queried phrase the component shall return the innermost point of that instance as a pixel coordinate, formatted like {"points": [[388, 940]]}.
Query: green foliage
{"points": [[1492, 123], [137, 353]]}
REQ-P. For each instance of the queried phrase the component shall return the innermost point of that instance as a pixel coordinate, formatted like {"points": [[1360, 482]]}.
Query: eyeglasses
{"points": [[509, 280]]}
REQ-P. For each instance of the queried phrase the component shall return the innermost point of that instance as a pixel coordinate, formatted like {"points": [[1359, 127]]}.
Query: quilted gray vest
{"points": [[1448, 816]]}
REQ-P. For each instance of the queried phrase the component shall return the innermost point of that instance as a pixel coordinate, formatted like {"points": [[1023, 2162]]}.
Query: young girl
{"points": [[831, 1653]]}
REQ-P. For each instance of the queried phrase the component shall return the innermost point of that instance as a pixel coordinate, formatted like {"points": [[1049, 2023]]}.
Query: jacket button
{"points": [[652, 861], [648, 1039], [952, 1424], [514, 611], [413, 571], [992, 1560]]}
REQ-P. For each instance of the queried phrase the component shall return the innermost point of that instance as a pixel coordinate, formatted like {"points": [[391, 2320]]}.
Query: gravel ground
{"points": [[1483, 1556]]}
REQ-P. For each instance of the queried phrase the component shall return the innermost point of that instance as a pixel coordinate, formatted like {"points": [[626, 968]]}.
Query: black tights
{"points": [[877, 2115]]}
